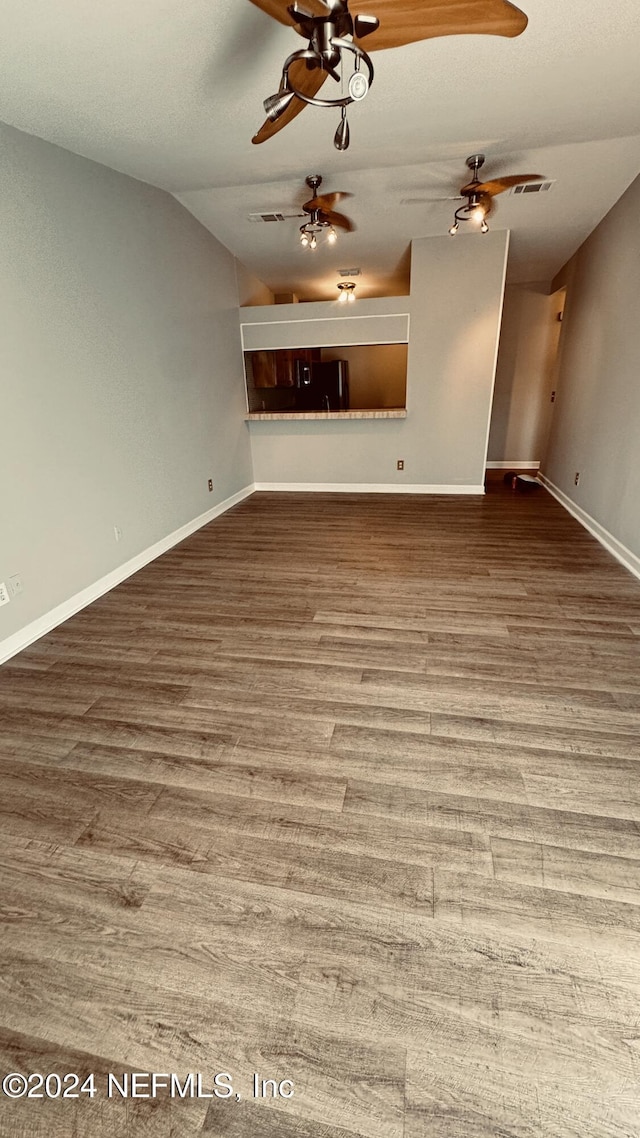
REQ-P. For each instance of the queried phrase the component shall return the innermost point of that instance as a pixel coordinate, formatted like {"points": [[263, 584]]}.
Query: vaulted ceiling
{"points": [[171, 93]]}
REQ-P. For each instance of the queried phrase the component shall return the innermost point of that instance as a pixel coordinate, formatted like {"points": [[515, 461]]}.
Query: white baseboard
{"points": [[31, 632], [630, 560], [365, 488], [532, 465]]}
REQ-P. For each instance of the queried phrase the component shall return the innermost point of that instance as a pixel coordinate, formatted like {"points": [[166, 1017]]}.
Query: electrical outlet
{"points": [[553, 396], [4, 595], [15, 584], [117, 533], [210, 484], [577, 478], [400, 464]]}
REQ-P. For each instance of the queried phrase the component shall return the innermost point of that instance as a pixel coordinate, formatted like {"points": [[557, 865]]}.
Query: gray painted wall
{"points": [[251, 290], [596, 425], [325, 323], [122, 377], [522, 408], [455, 309]]}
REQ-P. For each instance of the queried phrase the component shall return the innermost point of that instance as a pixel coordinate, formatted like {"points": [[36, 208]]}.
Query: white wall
{"points": [[122, 379], [596, 425], [455, 307], [522, 408]]}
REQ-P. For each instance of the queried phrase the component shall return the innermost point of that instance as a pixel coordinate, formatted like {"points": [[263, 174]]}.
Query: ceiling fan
{"points": [[478, 196], [322, 216], [334, 34]]}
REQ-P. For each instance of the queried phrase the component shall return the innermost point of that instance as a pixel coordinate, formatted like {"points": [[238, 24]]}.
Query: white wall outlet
{"points": [[400, 464], [577, 478], [210, 485], [4, 594], [117, 533], [15, 584]]}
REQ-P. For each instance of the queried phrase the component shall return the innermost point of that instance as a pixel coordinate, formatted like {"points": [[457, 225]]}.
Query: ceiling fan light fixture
{"points": [[276, 105], [330, 43], [472, 211], [310, 232]]}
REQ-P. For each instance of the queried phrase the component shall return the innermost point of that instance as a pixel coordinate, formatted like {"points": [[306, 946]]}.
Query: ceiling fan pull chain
{"points": [[343, 135]]}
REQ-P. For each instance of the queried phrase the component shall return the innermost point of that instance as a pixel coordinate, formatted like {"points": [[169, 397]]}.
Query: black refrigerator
{"points": [[322, 386]]}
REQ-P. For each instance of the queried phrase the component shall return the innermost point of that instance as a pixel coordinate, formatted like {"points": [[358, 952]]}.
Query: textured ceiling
{"points": [[172, 93]]}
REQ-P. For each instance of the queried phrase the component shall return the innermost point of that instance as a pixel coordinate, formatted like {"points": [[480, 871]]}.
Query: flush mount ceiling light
{"points": [[347, 292], [334, 49], [478, 196], [323, 219]]}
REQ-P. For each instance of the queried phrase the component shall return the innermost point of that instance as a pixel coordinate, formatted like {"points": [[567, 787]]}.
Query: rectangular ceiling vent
{"points": [[349, 272], [533, 187], [274, 216]]}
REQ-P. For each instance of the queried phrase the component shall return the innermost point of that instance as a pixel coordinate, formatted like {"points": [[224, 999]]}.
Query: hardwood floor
{"points": [[344, 790]]}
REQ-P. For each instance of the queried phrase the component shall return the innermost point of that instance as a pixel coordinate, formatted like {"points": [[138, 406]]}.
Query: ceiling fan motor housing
{"points": [[314, 181], [321, 41], [475, 162]]}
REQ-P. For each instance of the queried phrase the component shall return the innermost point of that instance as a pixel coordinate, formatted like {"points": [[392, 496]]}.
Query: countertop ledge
{"points": [[382, 413]]}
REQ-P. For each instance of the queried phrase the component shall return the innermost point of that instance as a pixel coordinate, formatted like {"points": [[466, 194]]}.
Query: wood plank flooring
{"points": [[343, 790]]}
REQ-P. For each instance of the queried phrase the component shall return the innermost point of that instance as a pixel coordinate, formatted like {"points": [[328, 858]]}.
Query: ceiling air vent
{"points": [[349, 272], [274, 216], [533, 187]]}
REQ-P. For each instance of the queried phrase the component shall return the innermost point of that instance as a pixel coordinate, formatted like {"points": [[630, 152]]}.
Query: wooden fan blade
{"points": [[304, 80], [278, 9], [499, 185], [429, 201], [325, 202], [407, 21], [338, 220], [486, 200]]}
